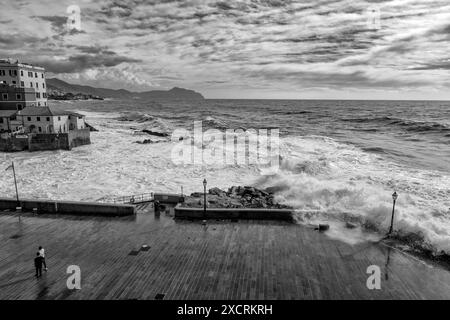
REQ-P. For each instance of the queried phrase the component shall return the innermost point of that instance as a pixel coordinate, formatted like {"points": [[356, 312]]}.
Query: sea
{"points": [[340, 161]]}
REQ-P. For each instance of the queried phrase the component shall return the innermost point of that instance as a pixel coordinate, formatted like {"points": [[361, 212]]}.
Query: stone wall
{"points": [[47, 141], [13, 144], [79, 137]]}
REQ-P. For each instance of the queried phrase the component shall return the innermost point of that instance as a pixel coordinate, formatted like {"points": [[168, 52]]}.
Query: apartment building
{"points": [[24, 75], [16, 98]]}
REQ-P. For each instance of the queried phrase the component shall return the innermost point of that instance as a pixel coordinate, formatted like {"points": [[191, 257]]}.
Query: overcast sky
{"points": [[240, 49]]}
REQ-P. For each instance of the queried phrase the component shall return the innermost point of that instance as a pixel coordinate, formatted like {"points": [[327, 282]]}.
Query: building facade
{"points": [[46, 120], [23, 75], [9, 122], [40, 120], [16, 98]]}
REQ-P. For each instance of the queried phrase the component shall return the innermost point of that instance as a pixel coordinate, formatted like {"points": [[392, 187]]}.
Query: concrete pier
{"points": [[233, 213], [68, 207]]}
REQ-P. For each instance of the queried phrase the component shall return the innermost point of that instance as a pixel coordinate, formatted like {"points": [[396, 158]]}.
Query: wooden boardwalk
{"points": [[186, 260]]}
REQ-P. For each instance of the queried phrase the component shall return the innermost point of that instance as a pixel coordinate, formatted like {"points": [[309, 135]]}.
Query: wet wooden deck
{"points": [[186, 260]]}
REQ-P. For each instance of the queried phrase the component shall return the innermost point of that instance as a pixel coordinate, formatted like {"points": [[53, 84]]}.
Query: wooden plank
{"points": [[224, 260]]}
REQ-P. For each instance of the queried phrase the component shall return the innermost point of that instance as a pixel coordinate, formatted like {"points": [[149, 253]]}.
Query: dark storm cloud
{"points": [[17, 41], [438, 65], [326, 43], [59, 26], [57, 22], [81, 62]]}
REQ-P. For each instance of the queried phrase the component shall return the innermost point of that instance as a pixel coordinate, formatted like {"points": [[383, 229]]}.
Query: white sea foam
{"points": [[322, 179], [328, 181]]}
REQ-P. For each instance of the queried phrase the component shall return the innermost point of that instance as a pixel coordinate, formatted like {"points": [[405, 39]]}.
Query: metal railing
{"points": [[134, 199]]}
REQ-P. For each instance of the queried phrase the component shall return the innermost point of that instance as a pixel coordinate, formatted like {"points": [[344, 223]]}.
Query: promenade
{"points": [[187, 260]]}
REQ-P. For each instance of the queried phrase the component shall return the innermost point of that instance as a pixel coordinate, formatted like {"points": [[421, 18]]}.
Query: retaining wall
{"points": [[233, 213], [79, 137], [47, 141], [168, 198], [14, 144], [69, 207]]}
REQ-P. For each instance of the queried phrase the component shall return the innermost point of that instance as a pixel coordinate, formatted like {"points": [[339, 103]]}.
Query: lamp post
{"points": [[204, 198], [394, 198]]}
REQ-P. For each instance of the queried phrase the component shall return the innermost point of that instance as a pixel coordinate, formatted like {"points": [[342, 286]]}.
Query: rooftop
{"points": [[9, 62], [7, 113], [186, 260], [45, 111]]}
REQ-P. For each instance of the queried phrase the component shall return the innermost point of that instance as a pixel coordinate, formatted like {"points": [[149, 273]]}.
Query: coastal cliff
{"points": [[60, 87]]}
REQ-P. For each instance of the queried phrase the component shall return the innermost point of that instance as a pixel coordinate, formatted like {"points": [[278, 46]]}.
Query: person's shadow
{"points": [[386, 266]]}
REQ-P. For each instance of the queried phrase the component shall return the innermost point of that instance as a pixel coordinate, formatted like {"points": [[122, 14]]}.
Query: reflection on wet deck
{"points": [[187, 260]]}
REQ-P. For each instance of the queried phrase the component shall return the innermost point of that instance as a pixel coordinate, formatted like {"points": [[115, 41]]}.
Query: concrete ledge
{"points": [[233, 213], [69, 207], [168, 198]]}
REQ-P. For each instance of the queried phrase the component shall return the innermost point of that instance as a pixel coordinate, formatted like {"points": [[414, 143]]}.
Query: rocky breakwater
{"points": [[234, 197]]}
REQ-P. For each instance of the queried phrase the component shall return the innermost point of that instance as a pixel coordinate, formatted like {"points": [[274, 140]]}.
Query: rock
{"points": [[350, 225], [154, 133], [197, 194], [323, 227], [235, 197], [217, 192], [146, 141]]}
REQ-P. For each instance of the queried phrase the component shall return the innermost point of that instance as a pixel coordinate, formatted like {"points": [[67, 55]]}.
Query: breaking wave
{"points": [[333, 182], [405, 124]]}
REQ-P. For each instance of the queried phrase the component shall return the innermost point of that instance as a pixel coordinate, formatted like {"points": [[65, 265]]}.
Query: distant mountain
{"points": [[59, 86]]}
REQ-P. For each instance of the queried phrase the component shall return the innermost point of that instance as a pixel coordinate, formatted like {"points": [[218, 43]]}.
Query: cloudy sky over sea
{"points": [[240, 49]]}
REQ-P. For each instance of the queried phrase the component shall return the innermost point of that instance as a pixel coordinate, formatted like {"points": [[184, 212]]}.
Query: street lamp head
{"points": [[204, 182], [394, 195]]}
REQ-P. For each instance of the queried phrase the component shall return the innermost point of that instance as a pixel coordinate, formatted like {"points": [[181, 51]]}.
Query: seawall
{"points": [[233, 213], [69, 207], [46, 141]]}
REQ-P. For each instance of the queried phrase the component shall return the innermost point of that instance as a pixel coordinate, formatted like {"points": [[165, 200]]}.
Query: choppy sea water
{"points": [[341, 160]]}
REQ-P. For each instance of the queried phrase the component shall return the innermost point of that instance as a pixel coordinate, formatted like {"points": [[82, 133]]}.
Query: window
{"points": [[18, 96], [31, 84], [59, 118], [35, 75], [30, 74], [2, 72], [38, 95], [40, 129], [22, 84], [39, 104], [37, 85], [1, 120], [21, 73], [42, 75], [38, 118], [48, 118], [14, 82], [13, 73], [5, 96], [44, 95], [29, 118], [19, 106], [43, 85]]}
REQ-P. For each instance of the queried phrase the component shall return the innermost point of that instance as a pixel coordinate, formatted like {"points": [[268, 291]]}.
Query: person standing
{"points": [[42, 254], [38, 265]]}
